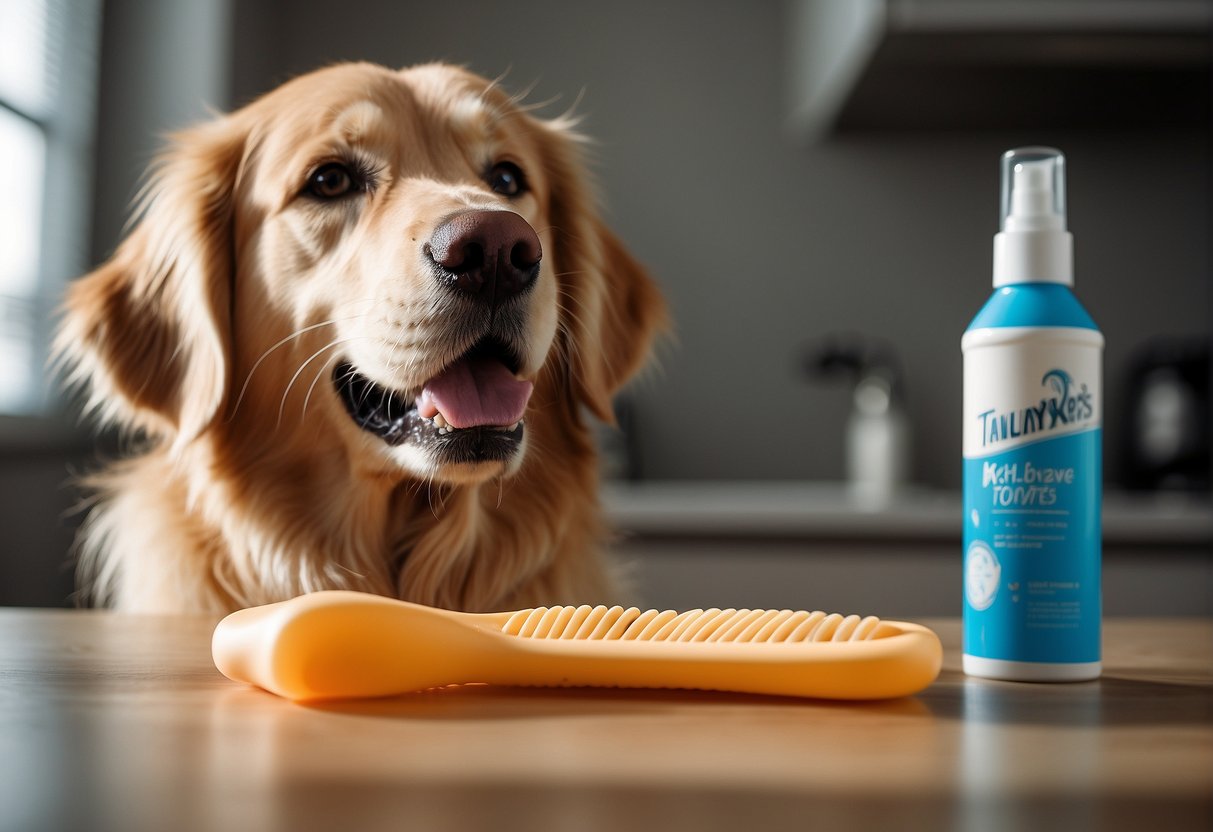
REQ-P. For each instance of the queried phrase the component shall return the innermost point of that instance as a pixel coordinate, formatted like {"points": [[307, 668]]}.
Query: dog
{"points": [[358, 331]]}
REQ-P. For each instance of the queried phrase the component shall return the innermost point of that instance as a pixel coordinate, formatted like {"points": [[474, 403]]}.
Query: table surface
{"points": [[116, 722]]}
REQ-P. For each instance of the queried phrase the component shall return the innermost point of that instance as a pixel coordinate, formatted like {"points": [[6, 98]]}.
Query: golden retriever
{"points": [[358, 327]]}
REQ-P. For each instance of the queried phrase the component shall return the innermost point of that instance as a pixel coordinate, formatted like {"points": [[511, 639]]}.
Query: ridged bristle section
{"points": [[713, 625]]}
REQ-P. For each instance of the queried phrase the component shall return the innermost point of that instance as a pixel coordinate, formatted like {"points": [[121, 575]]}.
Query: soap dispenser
{"points": [[877, 430]]}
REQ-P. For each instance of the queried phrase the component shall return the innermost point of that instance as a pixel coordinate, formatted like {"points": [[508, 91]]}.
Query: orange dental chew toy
{"points": [[339, 645]]}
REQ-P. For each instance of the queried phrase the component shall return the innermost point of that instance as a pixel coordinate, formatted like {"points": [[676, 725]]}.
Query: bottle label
{"points": [[1032, 489]]}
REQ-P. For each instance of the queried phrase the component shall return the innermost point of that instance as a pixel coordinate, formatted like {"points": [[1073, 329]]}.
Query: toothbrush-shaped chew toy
{"points": [[339, 645]]}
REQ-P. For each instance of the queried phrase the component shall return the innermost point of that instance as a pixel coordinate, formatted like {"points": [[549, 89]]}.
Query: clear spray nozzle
{"points": [[1033, 190]]}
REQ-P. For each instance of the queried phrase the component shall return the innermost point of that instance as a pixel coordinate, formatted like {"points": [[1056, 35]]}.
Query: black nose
{"points": [[492, 256]]}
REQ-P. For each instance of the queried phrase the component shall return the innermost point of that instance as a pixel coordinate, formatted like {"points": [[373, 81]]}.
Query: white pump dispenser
{"points": [[1033, 244]]}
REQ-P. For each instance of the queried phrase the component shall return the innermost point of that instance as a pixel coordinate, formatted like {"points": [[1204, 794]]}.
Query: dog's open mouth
{"points": [[470, 412]]}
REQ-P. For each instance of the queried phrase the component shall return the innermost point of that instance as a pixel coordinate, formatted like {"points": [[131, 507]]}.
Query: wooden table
{"points": [[114, 722]]}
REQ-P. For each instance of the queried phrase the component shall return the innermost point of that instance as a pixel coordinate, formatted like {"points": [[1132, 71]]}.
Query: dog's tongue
{"points": [[475, 391]]}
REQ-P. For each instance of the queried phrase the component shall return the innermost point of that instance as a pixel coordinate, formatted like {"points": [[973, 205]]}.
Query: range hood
{"points": [[978, 64]]}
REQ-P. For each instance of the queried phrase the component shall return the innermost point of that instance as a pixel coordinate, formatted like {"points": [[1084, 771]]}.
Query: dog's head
{"points": [[408, 261]]}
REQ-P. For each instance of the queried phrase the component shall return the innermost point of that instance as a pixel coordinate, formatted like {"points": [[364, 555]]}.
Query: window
{"points": [[47, 80]]}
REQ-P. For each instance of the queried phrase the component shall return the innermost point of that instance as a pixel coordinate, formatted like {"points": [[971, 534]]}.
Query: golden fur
{"points": [[212, 331]]}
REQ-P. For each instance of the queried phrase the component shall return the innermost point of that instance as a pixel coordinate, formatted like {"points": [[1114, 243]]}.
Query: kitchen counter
{"points": [[832, 510], [114, 722], [695, 543]]}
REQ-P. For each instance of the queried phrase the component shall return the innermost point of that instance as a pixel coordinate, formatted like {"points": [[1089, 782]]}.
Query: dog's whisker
{"points": [[429, 495], [296, 334], [302, 367], [365, 393], [397, 347], [320, 374], [564, 295], [568, 352], [569, 342]]}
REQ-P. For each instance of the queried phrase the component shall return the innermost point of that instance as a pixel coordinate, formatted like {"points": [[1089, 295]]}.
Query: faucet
{"points": [[877, 431]]}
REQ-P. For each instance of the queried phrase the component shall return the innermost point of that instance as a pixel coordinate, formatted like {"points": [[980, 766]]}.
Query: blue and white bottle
{"points": [[1033, 407]]}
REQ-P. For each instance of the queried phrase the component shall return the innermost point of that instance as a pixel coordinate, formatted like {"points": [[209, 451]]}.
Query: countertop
{"points": [[116, 722], [740, 508]]}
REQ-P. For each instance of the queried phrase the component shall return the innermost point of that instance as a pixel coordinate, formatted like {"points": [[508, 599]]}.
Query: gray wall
{"points": [[762, 244], [38, 513], [164, 65]]}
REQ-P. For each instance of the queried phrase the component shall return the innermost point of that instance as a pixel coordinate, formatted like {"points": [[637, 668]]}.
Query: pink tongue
{"points": [[475, 391]]}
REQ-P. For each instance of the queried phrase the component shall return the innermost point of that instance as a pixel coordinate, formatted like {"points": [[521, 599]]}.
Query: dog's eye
{"points": [[331, 181], [506, 179]]}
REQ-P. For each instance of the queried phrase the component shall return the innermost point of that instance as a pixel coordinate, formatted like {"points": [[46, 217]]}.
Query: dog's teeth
{"points": [[444, 427]]}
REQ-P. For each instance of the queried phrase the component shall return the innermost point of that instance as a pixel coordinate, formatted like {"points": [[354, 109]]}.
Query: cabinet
{"points": [[948, 64], [795, 545]]}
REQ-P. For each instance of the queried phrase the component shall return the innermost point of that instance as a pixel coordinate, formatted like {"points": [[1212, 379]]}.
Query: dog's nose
{"points": [[491, 255]]}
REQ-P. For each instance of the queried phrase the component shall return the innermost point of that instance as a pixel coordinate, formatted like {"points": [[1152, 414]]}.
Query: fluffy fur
{"points": [[212, 333]]}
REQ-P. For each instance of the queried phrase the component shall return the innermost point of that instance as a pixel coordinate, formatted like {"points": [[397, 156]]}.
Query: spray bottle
{"points": [[1033, 404]]}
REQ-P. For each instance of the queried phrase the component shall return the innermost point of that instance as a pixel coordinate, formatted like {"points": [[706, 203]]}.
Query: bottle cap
{"points": [[1033, 245]]}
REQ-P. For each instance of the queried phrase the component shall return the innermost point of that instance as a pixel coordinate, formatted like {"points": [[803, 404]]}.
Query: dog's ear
{"points": [[149, 332], [610, 308]]}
